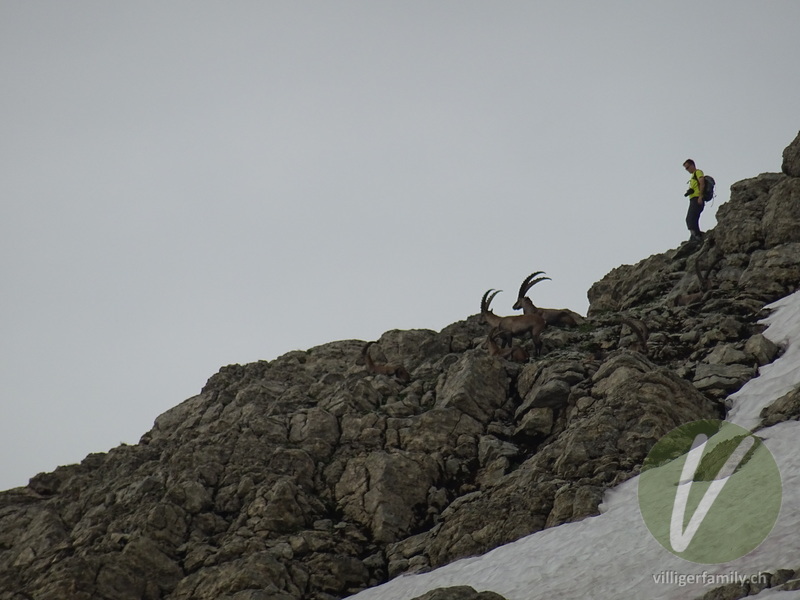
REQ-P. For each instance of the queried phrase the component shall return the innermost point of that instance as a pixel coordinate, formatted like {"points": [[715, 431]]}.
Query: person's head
{"points": [[688, 164]]}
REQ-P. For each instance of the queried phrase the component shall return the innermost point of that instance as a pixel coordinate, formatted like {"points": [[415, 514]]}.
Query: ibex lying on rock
{"points": [[513, 353], [552, 316], [532, 323], [398, 371]]}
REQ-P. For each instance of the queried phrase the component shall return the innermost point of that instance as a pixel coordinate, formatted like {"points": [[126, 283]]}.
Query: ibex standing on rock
{"points": [[532, 323], [398, 371]]}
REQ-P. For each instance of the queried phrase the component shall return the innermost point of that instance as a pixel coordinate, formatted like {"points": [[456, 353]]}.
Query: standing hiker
{"points": [[696, 204]]}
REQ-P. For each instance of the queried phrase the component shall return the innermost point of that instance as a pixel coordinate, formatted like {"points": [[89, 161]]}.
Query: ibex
{"points": [[513, 353], [702, 280], [640, 330], [532, 323], [398, 371], [552, 316]]}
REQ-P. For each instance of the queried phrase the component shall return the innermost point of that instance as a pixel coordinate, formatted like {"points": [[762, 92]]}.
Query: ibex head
{"points": [[527, 284]]}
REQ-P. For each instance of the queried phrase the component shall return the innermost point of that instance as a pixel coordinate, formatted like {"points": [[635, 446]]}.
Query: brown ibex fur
{"points": [[398, 371], [702, 280], [552, 316], [532, 323], [513, 353], [640, 330]]}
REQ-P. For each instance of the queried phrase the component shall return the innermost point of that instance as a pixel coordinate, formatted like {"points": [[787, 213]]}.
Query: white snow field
{"points": [[613, 555]]}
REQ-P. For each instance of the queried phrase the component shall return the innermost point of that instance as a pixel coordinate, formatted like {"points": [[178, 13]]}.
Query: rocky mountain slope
{"points": [[311, 477]]}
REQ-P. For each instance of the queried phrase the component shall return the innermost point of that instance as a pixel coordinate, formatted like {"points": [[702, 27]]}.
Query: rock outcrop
{"points": [[310, 477], [459, 593], [791, 158]]}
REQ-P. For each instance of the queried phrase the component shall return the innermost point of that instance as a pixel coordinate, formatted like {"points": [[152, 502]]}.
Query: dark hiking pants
{"points": [[693, 215]]}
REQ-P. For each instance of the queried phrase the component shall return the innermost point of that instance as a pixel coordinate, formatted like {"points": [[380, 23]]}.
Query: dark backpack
{"points": [[708, 189]]}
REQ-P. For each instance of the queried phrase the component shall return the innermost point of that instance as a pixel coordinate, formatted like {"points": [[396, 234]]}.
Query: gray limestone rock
{"points": [[761, 349], [306, 477]]}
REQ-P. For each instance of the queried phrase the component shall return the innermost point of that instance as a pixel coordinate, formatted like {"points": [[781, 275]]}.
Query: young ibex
{"points": [[512, 353], [532, 323], [552, 316], [398, 371]]}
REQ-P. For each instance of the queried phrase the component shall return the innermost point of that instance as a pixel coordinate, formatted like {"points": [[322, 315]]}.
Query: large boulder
{"points": [[476, 385], [629, 283], [383, 492], [740, 220]]}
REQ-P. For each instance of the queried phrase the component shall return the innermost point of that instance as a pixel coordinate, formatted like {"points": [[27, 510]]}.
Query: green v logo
{"points": [[679, 537], [710, 491]]}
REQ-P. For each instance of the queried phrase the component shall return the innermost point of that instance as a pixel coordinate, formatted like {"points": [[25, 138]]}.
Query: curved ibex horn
{"points": [[528, 284], [487, 299], [491, 294]]}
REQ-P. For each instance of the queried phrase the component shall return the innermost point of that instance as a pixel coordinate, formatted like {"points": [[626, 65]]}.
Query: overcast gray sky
{"points": [[190, 184]]}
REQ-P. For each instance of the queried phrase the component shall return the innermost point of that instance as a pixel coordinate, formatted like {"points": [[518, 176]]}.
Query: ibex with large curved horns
{"points": [[532, 323], [552, 316]]}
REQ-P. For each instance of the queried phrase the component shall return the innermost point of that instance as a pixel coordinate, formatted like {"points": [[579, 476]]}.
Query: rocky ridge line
{"points": [[308, 477]]}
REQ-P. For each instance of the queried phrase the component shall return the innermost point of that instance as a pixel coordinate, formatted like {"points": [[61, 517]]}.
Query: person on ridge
{"points": [[696, 203]]}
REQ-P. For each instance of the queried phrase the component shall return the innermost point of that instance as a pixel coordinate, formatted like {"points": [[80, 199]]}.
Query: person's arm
{"points": [[701, 185]]}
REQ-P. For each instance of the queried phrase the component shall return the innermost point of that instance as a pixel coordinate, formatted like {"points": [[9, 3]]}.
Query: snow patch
{"points": [[613, 554]]}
